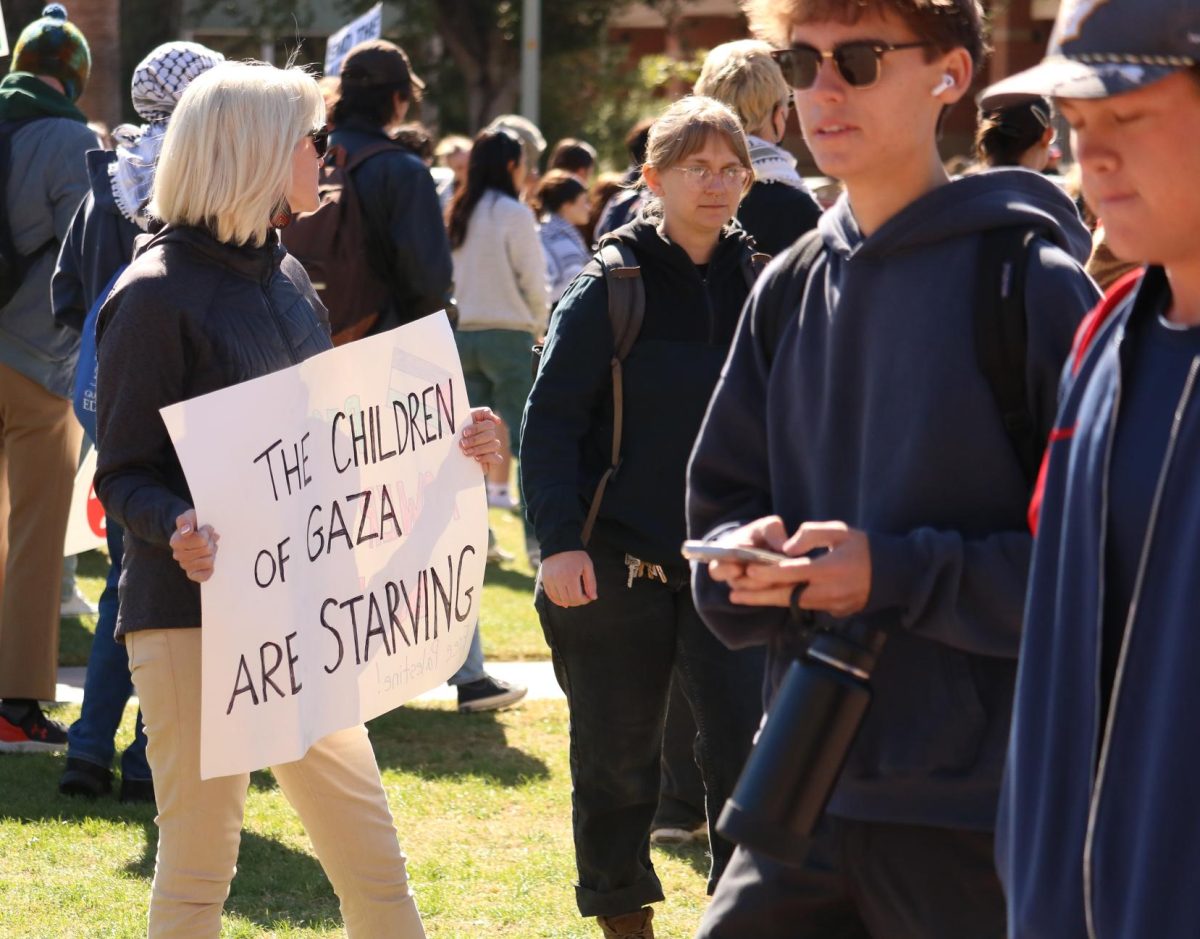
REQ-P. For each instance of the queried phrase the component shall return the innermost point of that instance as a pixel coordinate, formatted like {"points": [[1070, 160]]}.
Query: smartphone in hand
{"points": [[709, 551]]}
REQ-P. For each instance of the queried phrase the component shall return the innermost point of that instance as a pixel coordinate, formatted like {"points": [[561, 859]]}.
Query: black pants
{"points": [[865, 880], [681, 799], [613, 659]]}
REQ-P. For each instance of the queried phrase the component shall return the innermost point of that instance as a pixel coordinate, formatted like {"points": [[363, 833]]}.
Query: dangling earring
{"points": [[282, 216]]}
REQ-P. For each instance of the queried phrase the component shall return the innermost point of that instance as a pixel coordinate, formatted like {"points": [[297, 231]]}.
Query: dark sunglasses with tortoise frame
{"points": [[858, 62]]}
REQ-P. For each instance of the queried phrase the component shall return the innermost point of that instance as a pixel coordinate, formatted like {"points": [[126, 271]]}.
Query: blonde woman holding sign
{"points": [[210, 301]]}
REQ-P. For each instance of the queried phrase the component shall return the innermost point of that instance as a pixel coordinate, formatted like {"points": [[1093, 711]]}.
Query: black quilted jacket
{"points": [[191, 315]]}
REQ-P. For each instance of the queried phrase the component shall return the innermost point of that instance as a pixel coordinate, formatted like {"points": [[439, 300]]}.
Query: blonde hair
{"points": [[452, 144], [743, 75], [226, 160]]}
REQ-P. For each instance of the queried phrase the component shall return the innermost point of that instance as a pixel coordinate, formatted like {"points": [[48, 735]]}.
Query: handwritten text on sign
{"points": [[367, 26], [353, 540]]}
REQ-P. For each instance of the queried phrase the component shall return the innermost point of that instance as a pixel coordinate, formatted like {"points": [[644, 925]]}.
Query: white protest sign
{"points": [[353, 541], [367, 26], [85, 524], [3, 35]]}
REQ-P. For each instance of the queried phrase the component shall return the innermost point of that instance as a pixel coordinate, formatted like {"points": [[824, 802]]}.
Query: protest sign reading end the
{"points": [[353, 541], [367, 26]]}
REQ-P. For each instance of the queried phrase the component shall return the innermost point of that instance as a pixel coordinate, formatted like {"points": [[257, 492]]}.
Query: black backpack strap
{"points": [[13, 264], [806, 250], [351, 163], [8, 251], [626, 294], [626, 311], [1001, 336], [752, 265]]}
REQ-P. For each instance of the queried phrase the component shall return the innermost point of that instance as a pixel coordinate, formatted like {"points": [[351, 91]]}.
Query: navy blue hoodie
{"points": [[406, 240], [874, 411], [1097, 835], [98, 242]]}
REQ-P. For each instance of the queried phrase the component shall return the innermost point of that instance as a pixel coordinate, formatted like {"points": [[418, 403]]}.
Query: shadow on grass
{"points": [[75, 639], [92, 564], [75, 632], [275, 884], [508, 577], [695, 854], [446, 744]]}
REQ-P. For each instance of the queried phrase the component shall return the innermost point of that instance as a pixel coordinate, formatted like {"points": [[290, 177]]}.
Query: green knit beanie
{"points": [[52, 46]]}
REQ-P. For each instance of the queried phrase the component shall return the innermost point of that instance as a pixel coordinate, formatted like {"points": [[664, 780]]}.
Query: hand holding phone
{"points": [[712, 551]]}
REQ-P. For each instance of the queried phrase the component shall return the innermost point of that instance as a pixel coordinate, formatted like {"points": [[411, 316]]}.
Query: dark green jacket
{"points": [[566, 436]]}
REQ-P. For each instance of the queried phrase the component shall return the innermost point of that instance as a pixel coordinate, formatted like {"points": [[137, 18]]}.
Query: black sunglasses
{"points": [[320, 140], [857, 62]]}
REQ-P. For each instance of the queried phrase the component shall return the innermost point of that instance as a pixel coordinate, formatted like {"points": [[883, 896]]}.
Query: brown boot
{"points": [[628, 925]]}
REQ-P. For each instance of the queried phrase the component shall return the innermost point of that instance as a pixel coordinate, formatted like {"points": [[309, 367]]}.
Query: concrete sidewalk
{"points": [[538, 677]]}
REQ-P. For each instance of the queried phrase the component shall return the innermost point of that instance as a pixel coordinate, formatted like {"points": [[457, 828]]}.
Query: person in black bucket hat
{"points": [[1098, 816]]}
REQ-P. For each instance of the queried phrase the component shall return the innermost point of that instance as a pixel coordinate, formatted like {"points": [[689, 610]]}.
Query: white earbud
{"points": [[945, 84]]}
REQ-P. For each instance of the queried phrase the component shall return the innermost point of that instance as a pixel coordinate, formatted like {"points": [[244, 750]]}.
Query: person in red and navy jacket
{"points": [[1099, 817]]}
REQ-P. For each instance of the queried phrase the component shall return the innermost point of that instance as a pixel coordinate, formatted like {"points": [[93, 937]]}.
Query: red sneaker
{"points": [[25, 729]]}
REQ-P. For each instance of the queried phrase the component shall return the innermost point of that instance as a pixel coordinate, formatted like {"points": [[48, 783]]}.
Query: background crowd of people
{"points": [[857, 405]]}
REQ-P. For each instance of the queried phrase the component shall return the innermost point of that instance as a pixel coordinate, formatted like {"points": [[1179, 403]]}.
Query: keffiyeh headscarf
{"points": [[773, 164], [158, 83]]}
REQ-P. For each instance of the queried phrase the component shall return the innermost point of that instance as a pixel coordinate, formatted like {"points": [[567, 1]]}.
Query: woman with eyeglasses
{"points": [[613, 593], [212, 300], [779, 207]]}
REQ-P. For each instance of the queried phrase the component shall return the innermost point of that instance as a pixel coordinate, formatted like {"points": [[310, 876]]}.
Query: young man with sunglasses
{"points": [[1098, 816], [856, 414]]}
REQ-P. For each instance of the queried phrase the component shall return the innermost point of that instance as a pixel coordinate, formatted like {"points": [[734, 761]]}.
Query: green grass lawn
{"points": [[510, 626], [482, 805]]}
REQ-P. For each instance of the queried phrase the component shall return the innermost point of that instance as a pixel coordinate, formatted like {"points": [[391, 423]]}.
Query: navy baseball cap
{"points": [[1101, 48]]}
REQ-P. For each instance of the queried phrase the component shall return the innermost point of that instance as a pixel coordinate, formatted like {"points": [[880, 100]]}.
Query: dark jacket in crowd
{"points": [[776, 214], [622, 207], [407, 244], [566, 436], [98, 242], [46, 181], [872, 410], [1097, 828], [190, 315]]}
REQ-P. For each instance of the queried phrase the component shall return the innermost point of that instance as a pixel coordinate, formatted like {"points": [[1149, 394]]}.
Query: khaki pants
{"points": [[335, 789], [39, 453]]}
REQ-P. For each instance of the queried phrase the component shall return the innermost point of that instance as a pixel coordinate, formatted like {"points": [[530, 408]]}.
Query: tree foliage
{"points": [[473, 47], [468, 51]]}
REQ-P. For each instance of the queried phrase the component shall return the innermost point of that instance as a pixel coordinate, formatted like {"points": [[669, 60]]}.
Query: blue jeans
{"points": [[472, 668], [107, 686], [614, 659]]}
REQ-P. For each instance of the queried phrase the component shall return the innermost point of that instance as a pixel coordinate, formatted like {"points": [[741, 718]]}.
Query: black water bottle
{"points": [[802, 746]]}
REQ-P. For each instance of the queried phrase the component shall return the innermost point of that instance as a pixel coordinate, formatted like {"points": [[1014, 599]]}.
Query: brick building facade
{"points": [[100, 21]]}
